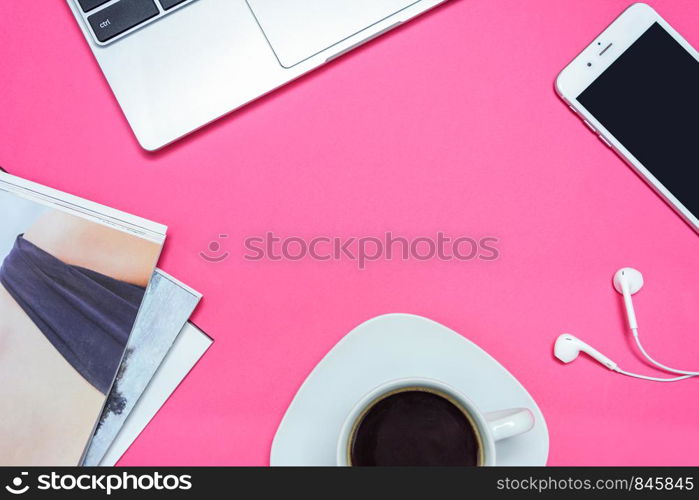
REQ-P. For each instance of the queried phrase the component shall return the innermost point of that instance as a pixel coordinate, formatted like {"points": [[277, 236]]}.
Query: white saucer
{"points": [[390, 347]]}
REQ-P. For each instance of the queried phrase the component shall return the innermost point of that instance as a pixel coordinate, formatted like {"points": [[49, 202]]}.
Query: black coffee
{"points": [[415, 427]]}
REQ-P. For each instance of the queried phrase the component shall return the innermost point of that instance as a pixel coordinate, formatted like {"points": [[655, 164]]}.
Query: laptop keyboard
{"points": [[109, 18]]}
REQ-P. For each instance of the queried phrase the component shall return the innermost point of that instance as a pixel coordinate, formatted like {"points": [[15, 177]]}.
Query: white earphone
{"points": [[627, 281]]}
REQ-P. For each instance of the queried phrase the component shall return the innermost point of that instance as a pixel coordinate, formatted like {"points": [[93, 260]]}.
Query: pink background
{"points": [[449, 123]]}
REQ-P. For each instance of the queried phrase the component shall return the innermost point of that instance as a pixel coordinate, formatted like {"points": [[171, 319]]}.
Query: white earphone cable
{"points": [[654, 379], [658, 364], [627, 281]]}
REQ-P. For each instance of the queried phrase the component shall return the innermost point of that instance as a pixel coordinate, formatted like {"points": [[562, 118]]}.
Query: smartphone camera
{"points": [[589, 64]]}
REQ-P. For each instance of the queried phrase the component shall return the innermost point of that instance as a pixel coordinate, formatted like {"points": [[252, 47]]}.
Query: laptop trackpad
{"points": [[299, 29]]}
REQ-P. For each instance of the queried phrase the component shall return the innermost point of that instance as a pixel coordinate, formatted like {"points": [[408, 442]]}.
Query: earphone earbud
{"points": [[628, 281], [630, 277], [568, 347]]}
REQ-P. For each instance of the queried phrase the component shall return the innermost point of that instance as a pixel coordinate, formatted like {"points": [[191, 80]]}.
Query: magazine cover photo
{"points": [[70, 290]]}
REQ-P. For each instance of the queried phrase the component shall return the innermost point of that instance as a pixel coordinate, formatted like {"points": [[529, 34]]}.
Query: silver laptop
{"points": [[176, 65]]}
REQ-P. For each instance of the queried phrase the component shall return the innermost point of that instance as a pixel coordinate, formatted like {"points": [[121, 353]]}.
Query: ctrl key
{"points": [[120, 17]]}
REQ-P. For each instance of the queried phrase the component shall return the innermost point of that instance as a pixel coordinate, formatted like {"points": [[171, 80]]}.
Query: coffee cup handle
{"points": [[507, 423]]}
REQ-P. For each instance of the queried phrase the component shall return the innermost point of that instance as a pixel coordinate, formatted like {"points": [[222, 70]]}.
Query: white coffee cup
{"points": [[490, 427]]}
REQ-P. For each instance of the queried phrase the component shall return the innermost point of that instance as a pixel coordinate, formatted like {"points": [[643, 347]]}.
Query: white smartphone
{"points": [[637, 87]]}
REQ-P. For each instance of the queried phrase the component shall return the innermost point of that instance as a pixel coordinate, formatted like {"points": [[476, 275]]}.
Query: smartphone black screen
{"points": [[649, 100]]}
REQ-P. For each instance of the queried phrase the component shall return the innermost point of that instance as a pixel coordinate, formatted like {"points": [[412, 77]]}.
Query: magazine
{"points": [[73, 275], [166, 307]]}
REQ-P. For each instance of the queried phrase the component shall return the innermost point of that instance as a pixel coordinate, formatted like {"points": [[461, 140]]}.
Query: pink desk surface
{"points": [[449, 123]]}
